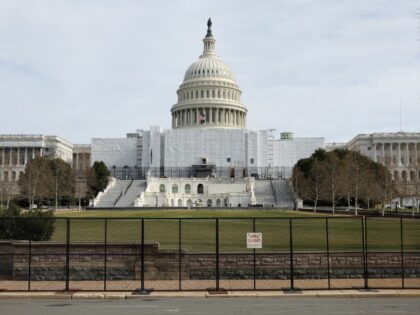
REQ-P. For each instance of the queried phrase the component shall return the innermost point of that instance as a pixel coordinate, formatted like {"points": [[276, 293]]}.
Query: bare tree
{"points": [[36, 180], [331, 173], [297, 184], [315, 185]]}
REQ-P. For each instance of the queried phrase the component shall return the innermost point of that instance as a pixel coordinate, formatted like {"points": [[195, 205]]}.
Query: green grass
{"points": [[198, 230]]}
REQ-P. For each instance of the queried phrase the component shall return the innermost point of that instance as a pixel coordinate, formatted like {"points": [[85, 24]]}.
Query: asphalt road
{"points": [[219, 306]]}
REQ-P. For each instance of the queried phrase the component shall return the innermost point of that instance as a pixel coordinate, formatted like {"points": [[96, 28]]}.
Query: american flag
{"points": [[202, 118]]}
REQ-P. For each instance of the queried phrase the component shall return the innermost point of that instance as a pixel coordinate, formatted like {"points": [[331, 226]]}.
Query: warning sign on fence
{"points": [[253, 240]]}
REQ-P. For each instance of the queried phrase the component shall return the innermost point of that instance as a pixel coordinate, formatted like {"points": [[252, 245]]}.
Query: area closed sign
{"points": [[253, 240]]}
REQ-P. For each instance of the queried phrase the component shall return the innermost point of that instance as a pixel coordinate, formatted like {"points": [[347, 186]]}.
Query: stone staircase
{"points": [[122, 194], [132, 192], [264, 193], [284, 198], [113, 194]]}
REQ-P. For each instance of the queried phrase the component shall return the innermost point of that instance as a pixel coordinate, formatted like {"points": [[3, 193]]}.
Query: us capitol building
{"points": [[208, 158]]}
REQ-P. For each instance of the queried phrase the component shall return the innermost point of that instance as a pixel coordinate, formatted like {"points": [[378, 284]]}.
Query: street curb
{"points": [[203, 294]]}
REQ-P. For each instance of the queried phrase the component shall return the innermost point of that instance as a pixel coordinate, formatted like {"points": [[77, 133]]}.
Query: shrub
{"points": [[35, 225]]}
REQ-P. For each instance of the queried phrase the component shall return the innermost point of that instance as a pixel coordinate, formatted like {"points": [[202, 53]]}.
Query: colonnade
{"points": [[397, 154], [12, 161], [403, 158], [209, 116], [18, 156]]}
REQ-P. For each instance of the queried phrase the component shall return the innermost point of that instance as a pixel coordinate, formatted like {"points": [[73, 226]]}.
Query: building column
{"points": [[18, 156], [392, 153], [399, 154], [26, 156], [11, 156], [77, 161], [191, 117], [217, 115], [407, 152], [383, 153], [211, 115]]}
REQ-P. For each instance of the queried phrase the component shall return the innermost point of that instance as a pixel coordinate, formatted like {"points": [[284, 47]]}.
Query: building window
{"points": [[174, 188], [369, 148], [228, 160], [200, 189], [252, 161], [188, 189], [162, 188]]}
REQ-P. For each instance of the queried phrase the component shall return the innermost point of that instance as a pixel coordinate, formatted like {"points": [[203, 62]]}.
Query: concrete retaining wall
{"points": [[123, 262]]}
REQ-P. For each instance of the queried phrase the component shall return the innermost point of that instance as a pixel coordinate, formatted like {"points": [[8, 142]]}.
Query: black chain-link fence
{"points": [[128, 172], [126, 254]]}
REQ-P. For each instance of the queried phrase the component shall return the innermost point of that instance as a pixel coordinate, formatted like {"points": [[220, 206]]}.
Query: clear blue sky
{"points": [[100, 68]]}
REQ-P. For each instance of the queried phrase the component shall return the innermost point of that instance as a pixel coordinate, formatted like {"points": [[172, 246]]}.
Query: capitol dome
{"points": [[209, 95]]}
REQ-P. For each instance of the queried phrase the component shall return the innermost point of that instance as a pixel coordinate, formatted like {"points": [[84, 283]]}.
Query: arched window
{"points": [[6, 176], [200, 189], [13, 176], [188, 189], [218, 203], [209, 203], [225, 202], [179, 203], [412, 175], [162, 188], [404, 175], [174, 188]]}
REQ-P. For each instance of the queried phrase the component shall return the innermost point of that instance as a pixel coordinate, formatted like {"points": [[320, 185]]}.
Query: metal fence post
{"points": [[179, 255], [67, 254], [328, 252], [217, 255], [364, 244], [254, 256], [142, 255], [292, 280], [30, 254], [402, 253], [105, 250]]}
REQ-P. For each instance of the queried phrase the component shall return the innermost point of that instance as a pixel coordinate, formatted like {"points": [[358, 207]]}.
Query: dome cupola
{"points": [[209, 95]]}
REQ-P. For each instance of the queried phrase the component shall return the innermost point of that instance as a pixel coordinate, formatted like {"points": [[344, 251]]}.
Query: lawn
{"points": [[197, 230]]}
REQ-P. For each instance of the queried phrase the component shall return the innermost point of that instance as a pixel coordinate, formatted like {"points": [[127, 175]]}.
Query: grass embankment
{"points": [[198, 230]]}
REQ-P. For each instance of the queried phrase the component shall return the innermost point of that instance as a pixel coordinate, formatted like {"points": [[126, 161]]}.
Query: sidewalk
{"points": [[407, 293]]}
